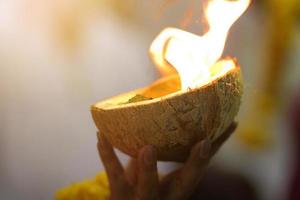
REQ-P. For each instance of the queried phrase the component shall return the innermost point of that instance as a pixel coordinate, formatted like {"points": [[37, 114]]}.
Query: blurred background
{"points": [[57, 57]]}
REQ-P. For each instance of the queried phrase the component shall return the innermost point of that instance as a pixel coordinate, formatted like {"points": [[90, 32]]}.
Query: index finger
{"points": [[112, 165]]}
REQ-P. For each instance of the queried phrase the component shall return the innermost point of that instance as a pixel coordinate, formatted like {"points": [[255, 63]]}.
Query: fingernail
{"points": [[205, 149], [149, 155]]}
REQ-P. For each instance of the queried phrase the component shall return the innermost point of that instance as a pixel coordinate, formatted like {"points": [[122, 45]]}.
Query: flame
{"points": [[193, 56]]}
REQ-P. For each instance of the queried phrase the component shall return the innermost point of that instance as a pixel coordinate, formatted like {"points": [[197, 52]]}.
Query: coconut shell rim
{"points": [[107, 107]]}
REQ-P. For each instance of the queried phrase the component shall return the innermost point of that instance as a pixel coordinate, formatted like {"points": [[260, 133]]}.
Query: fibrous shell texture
{"points": [[172, 123]]}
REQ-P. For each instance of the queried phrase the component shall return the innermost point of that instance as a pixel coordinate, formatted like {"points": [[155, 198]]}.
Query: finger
{"points": [[227, 133], [131, 171], [189, 176], [147, 185], [165, 183], [112, 165]]}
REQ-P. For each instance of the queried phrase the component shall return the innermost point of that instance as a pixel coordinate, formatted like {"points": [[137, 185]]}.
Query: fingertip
{"points": [[202, 149], [148, 156], [205, 149], [232, 126], [105, 149], [147, 183], [226, 134]]}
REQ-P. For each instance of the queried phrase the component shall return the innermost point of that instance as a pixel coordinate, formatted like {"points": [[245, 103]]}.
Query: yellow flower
{"points": [[94, 189]]}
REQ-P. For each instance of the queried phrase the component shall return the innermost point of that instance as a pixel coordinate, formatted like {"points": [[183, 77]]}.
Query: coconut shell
{"points": [[172, 123]]}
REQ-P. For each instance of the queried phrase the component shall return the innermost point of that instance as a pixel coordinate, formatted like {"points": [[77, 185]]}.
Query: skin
{"points": [[140, 181]]}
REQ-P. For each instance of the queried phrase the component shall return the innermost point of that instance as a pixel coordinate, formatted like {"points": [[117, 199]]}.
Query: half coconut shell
{"points": [[174, 122]]}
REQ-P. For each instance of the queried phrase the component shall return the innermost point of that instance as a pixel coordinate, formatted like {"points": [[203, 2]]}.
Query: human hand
{"points": [[140, 180]]}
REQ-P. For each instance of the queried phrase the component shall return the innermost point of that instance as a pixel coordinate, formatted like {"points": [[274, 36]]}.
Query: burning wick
{"points": [[193, 56]]}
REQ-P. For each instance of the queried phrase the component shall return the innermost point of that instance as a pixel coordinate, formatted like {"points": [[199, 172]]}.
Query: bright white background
{"points": [[48, 81]]}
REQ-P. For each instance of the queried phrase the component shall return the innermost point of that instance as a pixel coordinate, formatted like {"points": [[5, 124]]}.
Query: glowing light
{"points": [[193, 56]]}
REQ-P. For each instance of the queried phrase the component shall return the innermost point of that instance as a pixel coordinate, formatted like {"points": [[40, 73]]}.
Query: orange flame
{"points": [[191, 55]]}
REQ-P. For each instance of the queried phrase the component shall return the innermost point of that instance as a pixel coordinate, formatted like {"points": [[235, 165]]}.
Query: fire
{"points": [[194, 56]]}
